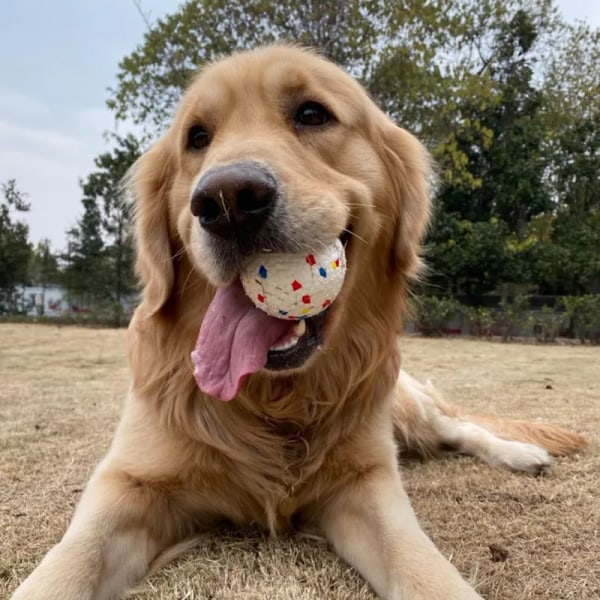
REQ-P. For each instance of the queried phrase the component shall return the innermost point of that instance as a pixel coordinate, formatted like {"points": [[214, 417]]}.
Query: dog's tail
{"points": [[556, 440]]}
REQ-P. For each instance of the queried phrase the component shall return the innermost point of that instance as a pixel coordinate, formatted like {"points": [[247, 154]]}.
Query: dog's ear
{"points": [[149, 182], [410, 174]]}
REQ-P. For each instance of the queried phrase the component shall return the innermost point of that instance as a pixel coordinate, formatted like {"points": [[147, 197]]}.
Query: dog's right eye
{"points": [[198, 138], [312, 114]]}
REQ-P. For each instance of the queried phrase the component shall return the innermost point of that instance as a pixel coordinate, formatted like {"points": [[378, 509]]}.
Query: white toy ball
{"points": [[295, 286]]}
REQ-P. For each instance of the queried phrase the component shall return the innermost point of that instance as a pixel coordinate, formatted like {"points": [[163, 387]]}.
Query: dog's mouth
{"points": [[297, 345], [294, 349], [237, 339]]}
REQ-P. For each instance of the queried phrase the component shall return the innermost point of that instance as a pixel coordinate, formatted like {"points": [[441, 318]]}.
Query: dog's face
{"points": [[278, 150], [273, 159]]}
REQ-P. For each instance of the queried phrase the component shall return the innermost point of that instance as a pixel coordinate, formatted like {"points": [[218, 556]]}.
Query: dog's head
{"points": [[278, 150]]}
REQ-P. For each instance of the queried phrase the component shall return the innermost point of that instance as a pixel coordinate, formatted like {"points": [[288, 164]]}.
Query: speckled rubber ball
{"points": [[295, 286]]}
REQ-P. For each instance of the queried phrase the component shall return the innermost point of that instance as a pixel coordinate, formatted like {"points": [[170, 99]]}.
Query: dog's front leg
{"points": [[372, 525], [119, 527]]}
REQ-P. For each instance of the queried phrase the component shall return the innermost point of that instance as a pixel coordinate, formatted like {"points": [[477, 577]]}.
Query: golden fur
{"points": [[313, 448]]}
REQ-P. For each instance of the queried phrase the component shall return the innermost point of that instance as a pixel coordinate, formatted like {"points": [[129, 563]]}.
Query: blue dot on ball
{"points": [[263, 271], [322, 272]]}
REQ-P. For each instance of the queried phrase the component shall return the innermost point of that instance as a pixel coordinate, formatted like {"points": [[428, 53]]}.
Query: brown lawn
{"points": [[61, 389]]}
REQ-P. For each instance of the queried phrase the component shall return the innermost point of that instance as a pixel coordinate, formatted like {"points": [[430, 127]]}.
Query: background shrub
{"points": [[546, 324], [480, 320], [584, 313], [435, 313], [512, 315]]}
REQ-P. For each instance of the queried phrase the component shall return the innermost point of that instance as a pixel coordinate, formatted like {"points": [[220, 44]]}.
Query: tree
{"points": [[104, 188], [502, 140], [15, 249], [577, 165], [84, 272], [43, 268], [466, 257], [501, 143], [99, 260], [573, 120], [566, 261], [570, 262], [151, 79]]}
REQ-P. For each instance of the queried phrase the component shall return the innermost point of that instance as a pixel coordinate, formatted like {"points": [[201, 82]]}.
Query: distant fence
{"points": [[543, 318], [89, 319], [52, 304]]}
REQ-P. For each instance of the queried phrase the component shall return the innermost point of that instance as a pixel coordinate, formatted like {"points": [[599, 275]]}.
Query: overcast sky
{"points": [[57, 58]]}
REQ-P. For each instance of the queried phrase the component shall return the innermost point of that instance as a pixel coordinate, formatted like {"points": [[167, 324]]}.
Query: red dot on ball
{"points": [[306, 299]]}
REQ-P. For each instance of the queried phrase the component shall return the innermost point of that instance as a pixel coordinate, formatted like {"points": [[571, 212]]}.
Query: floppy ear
{"points": [[410, 174], [149, 181]]}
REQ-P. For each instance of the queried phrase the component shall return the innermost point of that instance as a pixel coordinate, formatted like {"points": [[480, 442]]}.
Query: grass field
{"points": [[60, 394]]}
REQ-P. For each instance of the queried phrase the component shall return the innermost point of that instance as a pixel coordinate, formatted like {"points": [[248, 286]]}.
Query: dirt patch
{"points": [[516, 537]]}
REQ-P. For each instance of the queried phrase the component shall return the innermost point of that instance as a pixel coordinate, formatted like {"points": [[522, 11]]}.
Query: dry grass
{"points": [[60, 394]]}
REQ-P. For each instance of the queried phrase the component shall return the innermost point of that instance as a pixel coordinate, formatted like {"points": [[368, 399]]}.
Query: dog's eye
{"points": [[312, 114], [198, 137]]}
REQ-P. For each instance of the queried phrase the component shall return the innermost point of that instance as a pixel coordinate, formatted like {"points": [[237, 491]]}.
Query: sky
{"points": [[57, 60]]}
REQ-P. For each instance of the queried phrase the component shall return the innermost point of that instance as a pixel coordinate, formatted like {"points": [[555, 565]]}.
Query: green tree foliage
{"points": [[15, 249], [572, 77], [584, 313], [43, 268], [100, 258], [84, 271], [151, 79], [104, 186], [566, 258], [435, 314], [43, 264], [502, 142], [570, 262], [467, 257]]}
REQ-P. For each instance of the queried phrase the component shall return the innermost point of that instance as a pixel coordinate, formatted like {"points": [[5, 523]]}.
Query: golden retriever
{"points": [[275, 150]]}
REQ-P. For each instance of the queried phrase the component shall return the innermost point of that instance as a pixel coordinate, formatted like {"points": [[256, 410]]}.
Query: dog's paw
{"points": [[518, 456]]}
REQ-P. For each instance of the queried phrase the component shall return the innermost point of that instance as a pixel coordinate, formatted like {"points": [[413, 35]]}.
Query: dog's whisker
{"points": [[177, 254], [185, 287], [353, 234]]}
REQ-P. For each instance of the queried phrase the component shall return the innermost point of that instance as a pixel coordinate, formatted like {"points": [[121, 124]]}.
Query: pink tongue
{"points": [[233, 342]]}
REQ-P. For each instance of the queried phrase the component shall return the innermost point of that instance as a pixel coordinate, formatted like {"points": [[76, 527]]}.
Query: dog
{"points": [[275, 150]]}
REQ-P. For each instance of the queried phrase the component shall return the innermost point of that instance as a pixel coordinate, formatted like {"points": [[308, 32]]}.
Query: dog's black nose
{"points": [[234, 199]]}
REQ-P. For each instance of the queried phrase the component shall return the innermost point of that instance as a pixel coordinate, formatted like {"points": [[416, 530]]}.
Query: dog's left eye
{"points": [[312, 114], [198, 138]]}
